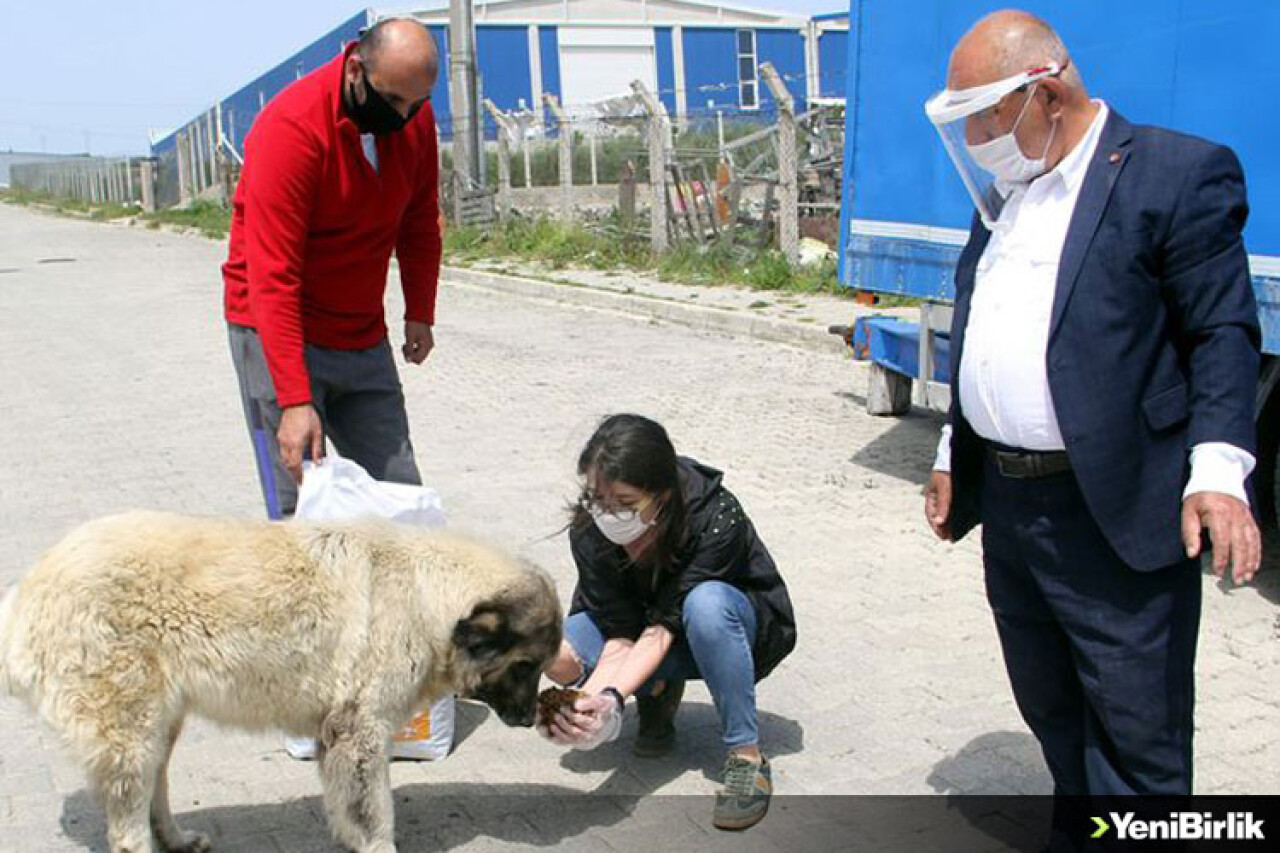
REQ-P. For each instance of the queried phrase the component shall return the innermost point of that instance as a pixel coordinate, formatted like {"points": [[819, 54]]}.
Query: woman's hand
{"points": [[590, 722]]}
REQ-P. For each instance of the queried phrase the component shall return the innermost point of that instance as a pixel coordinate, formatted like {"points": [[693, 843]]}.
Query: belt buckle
{"points": [[1013, 465]]}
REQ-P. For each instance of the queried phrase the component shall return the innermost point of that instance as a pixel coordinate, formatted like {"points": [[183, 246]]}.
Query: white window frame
{"points": [[755, 68]]}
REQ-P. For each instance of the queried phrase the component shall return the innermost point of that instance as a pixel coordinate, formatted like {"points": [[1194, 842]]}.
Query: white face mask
{"points": [[1003, 157], [620, 528]]}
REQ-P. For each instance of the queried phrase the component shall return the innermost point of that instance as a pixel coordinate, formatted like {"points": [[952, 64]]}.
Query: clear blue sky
{"points": [[98, 74]]}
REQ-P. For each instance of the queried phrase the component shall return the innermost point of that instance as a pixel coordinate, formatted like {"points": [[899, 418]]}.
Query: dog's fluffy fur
{"points": [[335, 631]]}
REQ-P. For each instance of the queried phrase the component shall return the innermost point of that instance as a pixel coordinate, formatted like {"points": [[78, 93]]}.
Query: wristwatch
{"points": [[617, 696]]}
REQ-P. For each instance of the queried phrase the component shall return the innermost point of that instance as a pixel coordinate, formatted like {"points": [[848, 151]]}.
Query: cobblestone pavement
{"points": [[119, 393]]}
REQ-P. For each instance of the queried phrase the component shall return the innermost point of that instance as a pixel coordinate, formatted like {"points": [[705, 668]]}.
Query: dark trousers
{"points": [[358, 397], [1101, 657]]}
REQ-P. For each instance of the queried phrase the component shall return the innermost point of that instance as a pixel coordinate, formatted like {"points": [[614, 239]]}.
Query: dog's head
{"points": [[504, 645]]}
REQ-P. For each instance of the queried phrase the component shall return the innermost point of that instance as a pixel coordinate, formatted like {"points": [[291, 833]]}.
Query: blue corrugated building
{"points": [[698, 56]]}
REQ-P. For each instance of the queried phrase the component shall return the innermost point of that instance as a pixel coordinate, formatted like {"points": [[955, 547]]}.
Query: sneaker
{"points": [[744, 799], [657, 733], [301, 748]]}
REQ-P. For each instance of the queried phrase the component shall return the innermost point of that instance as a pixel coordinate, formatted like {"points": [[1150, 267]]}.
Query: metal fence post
{"points": [[788, 169], [657, 167]]}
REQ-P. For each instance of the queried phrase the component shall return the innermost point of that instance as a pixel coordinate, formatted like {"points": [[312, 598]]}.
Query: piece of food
{"points": [[552, 700]]}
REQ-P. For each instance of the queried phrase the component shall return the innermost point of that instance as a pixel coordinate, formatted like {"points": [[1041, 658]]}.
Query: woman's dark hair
{"points": [[635, 450]]}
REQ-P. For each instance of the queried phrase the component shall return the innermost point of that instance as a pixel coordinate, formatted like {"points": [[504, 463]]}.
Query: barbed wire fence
{"points": [[623, 166], [712, 176]]}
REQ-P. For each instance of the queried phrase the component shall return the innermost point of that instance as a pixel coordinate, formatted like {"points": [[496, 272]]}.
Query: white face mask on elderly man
{"points": [[1003, 156], [989, 169]]}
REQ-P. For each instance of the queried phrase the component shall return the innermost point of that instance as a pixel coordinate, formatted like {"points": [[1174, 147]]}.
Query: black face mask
{"points": [[375, 115]]}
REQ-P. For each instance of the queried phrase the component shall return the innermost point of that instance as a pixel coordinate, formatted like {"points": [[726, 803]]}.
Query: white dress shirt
{"points": [[369, 143], [1004, 387]]}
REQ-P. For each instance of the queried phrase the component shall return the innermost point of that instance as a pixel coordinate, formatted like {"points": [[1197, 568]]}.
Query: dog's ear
{"points": [[486, 633]]}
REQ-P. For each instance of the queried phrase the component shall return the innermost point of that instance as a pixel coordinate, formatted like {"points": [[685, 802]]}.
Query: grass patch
{"points": [[545, 240], [209, 218], [98, 211], [549, 241], [766, 269]]}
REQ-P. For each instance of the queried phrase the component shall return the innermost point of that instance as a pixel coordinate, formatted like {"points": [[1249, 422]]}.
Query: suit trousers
{"points": [[1101, 657]]}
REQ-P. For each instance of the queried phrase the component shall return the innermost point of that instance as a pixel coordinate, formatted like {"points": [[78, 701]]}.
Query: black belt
{"points": [[1028, 464]]}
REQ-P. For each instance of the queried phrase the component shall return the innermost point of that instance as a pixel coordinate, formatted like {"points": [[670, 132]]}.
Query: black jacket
{"points": [[721, 544]]}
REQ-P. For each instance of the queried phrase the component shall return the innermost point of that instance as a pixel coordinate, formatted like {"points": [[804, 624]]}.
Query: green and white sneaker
{"points": [[744, 799]]}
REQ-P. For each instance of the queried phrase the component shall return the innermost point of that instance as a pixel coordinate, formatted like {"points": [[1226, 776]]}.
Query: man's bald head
{"points": [[400, 41], [1049, 117], [1006, 43], [397, 58]]}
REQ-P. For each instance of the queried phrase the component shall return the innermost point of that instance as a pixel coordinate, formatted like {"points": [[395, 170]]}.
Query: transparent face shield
{"points": [[966, 119]]}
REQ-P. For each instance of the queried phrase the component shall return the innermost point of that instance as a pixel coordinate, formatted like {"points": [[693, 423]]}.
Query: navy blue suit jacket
{"points": [[1153, 339]]}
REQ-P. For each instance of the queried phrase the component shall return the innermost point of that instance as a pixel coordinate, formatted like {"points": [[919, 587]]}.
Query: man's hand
{"points": [[299, 432], [418, 341], [1232, 530], [937, 504]]}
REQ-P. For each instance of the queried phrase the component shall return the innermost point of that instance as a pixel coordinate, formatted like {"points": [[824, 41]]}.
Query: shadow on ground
{"points": [[445, 816], [1267, 581], [906, 449], [698, 748], [981, 779]]}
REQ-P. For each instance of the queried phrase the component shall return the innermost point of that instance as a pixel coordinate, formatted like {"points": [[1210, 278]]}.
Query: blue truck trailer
{"points": [[1205, 67]]}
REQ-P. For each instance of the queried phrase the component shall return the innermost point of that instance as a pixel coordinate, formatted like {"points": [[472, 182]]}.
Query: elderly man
{"points": [[1106, 342], [340, 170]]}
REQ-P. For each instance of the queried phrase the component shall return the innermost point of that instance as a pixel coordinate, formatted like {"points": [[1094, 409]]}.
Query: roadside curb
{"points": [[700, 317]]}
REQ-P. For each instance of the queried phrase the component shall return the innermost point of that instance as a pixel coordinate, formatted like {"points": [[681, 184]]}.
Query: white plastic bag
{"points": [[337, 489]]}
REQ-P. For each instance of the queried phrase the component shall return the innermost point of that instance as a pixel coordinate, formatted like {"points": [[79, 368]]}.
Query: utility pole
{"points": [[462, 94]]}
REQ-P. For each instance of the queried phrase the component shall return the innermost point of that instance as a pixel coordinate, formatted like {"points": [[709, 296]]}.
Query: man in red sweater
{"points": [[340, 171]]}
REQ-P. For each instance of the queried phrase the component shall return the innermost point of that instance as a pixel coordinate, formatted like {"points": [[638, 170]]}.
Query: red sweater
{"points": [[314, 225]]}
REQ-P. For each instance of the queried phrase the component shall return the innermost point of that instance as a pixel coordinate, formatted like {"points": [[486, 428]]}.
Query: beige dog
{"points": [[334, 631]]}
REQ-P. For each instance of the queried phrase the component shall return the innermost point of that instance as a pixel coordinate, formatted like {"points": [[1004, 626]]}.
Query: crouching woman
{"points": [[673, 584]]}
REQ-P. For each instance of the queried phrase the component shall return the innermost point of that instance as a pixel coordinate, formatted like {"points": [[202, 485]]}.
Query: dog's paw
{"points": [[192, 842]]}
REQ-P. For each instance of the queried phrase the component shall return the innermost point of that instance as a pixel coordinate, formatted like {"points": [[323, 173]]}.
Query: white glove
{"points": [[589, 723]]}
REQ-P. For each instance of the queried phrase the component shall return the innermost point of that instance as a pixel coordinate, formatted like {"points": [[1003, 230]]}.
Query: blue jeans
{"points": [[719, 631]]}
